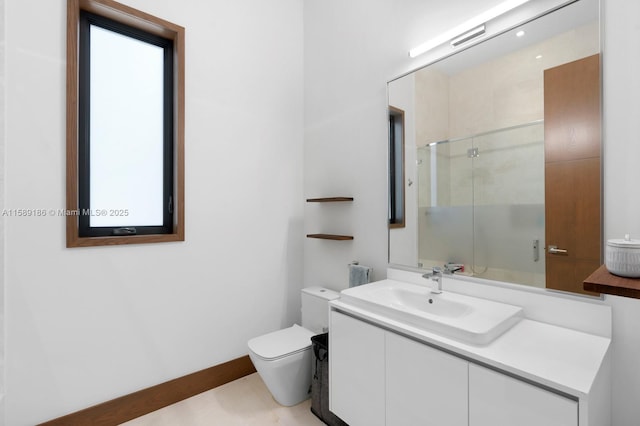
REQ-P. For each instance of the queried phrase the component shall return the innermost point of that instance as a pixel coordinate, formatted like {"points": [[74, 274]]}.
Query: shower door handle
{"points": [[556, 250]]}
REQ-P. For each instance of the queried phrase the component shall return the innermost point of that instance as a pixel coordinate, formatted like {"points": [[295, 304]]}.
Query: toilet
{"points": [[283, 358]]}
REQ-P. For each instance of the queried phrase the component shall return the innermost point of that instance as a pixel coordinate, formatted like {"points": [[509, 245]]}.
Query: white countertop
{"points": [[560, 358]]}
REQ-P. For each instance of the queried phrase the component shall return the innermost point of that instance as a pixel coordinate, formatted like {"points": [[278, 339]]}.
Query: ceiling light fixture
{"points": [[520, 33], [468, 36], [466, 27]]}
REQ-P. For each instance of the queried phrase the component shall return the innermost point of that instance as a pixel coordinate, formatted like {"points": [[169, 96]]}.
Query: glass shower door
{"points": [[481, 204], [445, 204], [508, 200]]}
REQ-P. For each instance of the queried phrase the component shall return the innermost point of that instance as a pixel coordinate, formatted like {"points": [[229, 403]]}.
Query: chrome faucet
{"points": [[436, 277]]}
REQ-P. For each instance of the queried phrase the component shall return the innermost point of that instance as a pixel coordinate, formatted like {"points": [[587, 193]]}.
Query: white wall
{"points": [[621, 174], [344, 117], [86, 325], [2, 139], [351, 50]]}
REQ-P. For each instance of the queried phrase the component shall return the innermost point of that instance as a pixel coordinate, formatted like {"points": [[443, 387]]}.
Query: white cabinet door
{"points": [[425, 386], [499, 400], [356, 370]]}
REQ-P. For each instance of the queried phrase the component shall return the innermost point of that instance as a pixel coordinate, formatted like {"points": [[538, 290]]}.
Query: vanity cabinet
{"points": [[424, 386], [356, 371], [381, 378], [499, 400], [378, 377]]}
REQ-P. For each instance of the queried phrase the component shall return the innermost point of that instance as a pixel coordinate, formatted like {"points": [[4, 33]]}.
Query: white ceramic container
{"points": [[622, 257]]}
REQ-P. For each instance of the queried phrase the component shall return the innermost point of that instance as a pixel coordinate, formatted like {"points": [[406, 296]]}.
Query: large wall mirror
{"points": [[502, 155]]}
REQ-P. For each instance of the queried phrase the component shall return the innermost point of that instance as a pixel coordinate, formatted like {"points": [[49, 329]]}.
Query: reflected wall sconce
{"points": [[468, 30]]}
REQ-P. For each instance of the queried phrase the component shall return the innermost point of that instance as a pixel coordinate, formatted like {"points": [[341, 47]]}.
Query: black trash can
{"points": [[320, 381]]}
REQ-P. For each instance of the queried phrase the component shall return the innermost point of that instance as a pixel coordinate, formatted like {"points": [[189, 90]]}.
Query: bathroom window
{"points": [[396, 168], [125, 132]]}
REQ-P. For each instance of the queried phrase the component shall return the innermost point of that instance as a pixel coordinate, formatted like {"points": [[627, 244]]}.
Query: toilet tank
{"points": [[315, 308]]}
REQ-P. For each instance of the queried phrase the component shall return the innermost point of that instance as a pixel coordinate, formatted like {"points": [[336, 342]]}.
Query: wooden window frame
{"points": [[397, 211], [153, 25]]}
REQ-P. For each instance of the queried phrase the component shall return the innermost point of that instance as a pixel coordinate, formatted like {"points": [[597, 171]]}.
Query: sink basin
{"points": [[465, 318], [401, 298]]}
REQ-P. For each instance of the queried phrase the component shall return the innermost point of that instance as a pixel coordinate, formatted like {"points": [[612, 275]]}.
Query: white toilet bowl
{"points": [[283, 358], [283, 361]]}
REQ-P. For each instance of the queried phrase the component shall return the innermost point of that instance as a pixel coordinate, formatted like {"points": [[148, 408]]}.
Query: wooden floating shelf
{"points": [[328, 199], [331, 237], [602, 281]]}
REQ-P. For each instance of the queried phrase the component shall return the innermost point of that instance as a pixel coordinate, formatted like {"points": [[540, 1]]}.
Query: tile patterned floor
{"points": [[243, 402]]}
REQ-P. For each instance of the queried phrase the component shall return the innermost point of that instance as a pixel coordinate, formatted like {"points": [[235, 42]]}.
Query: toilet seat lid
{"points": [[282, 342]]}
